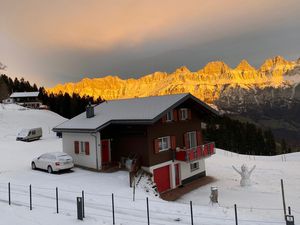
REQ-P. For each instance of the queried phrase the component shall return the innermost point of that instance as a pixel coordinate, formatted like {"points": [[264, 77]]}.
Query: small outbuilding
{"points": [[26, 99]]}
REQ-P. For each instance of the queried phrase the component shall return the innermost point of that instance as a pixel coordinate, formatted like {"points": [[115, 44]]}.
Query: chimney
{"points": [[90, 111]]}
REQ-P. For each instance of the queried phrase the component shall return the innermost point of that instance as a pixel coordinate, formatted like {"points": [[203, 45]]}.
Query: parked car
{"points": [[53, 162], [30, 134]]}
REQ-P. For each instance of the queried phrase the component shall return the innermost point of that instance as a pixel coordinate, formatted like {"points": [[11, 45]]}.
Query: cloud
{"points": [[63, 40]]}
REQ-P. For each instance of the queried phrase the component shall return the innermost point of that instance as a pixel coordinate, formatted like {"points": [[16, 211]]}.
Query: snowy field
{"points": [[259, 204]]}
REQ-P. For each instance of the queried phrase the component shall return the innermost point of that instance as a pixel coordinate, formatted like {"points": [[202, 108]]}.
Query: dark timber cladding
{"points": [[175, 128], [126, 140], [139, 139]]}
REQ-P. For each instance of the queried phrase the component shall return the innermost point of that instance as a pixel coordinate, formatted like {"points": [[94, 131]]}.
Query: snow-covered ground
{"points": [[259, 204]]}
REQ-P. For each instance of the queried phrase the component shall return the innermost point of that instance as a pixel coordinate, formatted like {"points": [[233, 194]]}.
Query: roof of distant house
{"points": [[24, 94], [129, 111]]}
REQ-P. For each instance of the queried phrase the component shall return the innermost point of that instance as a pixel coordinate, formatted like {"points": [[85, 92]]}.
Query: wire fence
{"points": [[113, 207]]}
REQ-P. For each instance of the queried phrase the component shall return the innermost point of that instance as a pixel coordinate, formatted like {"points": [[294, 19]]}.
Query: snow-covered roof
{"points": [[24, 94], [126, 110]]}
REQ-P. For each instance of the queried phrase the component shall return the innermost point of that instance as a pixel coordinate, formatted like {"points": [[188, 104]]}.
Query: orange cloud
{"points": [[106, 24]]}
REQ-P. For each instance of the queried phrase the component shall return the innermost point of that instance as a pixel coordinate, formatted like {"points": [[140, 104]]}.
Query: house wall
{"points": [[127, 140], [174, 128], [82, 159], [185, 169]]}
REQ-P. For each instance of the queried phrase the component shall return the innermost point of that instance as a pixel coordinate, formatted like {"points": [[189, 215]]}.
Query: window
{"points": [[194, 166], [82, 147], [183, 114], [164, 143], [192, 136], [169, 116]]}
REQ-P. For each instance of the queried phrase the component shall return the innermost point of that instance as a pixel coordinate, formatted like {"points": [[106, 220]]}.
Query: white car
{"points": [[53, 162]]}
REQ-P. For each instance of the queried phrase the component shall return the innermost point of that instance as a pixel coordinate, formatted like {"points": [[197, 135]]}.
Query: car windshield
{"points": [[23, 133]]}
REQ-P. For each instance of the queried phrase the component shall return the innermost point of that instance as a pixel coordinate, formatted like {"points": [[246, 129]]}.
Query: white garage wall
{"points": [[186, 169], [82, 159]]}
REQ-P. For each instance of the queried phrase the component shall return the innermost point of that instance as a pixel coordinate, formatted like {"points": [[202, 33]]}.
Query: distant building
{"points": [[8, 101], [26, 99], [161, 134]]}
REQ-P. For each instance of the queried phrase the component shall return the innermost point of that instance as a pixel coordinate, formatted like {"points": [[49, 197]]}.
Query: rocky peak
{"points": [[244, 66], [216, 67], [182, 69], [276, 61]]}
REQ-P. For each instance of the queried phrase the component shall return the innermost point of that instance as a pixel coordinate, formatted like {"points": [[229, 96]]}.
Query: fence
{"points": [[113, 208]]}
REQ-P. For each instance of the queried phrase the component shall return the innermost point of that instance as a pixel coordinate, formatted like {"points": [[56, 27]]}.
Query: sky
{"points": [[58, 41]]}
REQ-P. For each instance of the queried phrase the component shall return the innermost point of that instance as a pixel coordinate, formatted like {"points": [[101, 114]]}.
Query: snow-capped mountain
{"points": [[269, 95], [207, 84]]}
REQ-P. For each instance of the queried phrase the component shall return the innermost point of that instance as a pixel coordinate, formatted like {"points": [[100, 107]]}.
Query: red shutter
{"points": [[76, 147], [199, 138], [87, 148], [164, 118], [173, 142], [156, 146], [175, 116], [189, 114], [186, 141]]}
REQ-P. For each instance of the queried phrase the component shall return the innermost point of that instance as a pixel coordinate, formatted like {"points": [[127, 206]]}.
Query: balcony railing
{"points": [[191, 154]]}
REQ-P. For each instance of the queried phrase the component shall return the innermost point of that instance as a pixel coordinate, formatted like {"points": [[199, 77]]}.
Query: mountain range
{"points": [[268, 95]]}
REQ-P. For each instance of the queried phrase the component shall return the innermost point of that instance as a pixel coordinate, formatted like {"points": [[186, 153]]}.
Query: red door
{"points": [[105, 151], [177, 175], [162, 178]]}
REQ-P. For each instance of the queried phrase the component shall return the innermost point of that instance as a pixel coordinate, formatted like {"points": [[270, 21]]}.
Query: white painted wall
{"points": [[82, 159], [185, 169]]}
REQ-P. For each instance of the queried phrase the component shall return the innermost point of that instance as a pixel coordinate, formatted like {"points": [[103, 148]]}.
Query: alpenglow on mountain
{"points": [[207, 84]]}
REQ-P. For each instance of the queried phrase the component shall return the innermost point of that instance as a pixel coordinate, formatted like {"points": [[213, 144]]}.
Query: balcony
{"points": [[196, 153]]}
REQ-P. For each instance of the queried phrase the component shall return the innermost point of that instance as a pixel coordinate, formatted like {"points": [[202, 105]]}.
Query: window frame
{"points": [[195, 140], [169, 116], [194, 166], [185, 114], [160, 145]]}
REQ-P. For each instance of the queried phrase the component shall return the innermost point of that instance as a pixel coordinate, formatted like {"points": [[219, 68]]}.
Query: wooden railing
{"points": [[198, 152]]}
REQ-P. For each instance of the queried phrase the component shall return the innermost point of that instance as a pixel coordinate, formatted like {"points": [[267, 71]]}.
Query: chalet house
{"points": [[26, 99], [164, 133]]}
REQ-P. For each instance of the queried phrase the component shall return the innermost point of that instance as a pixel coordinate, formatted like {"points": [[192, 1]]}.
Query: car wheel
{"points": [[49, 169], [33, 166]]}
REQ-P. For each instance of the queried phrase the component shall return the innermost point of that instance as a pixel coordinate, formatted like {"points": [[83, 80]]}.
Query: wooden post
{"points": [[148, 217], [235, 213], [283, 199], [57, 200], [192, 218], [9, 199], [113, 208], [133, 189], [83, 212], [30, 197]]}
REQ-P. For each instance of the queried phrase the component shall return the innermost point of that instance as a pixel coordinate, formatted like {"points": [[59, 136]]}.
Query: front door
{"points": [[105, 153]]}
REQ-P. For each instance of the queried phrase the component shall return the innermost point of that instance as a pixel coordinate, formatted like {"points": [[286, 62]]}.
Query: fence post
{"points": [[192, 218], [57, 200], [283, 199], [235, 213], [9, 199], [148, 217], [30, 197], [113, 207], [83, 212]]}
